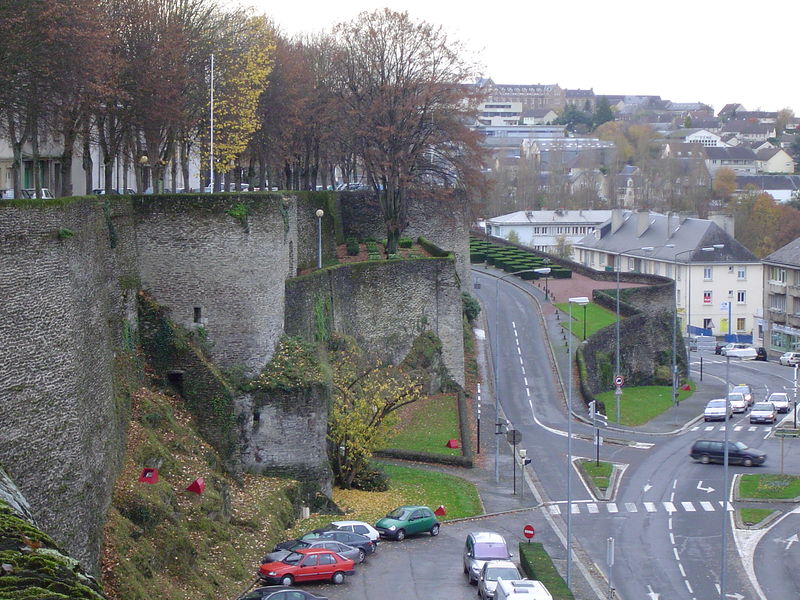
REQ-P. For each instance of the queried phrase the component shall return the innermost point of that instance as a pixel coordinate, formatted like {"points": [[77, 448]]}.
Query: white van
{"points": [[521, 589]]}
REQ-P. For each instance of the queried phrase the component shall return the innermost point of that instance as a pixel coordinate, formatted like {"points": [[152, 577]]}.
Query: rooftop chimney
{"points": [[616, 220], [642, 222]]}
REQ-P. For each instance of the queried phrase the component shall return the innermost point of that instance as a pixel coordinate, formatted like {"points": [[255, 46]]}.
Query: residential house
{"points": [[672, 246], [695, 136], [538, 116], [762, 116], [581, 99], [628, 186], [774, 160], [749, 130], [528, 95], [782, 188], [780, 326], [729, 111], [739, 159], [546, 230]]}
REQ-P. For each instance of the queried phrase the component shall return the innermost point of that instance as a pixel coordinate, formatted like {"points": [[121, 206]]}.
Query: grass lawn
{"points": [[640, 404], [536, 563], [753, 516], [597, 317], [599, 474], [428, 425], [769, 486], [408, 486]]}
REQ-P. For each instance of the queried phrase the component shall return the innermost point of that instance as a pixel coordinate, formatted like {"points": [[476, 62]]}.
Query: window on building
{"points": [[678, 297], [741, 273], [796, 306], [707, 297], [741, 296], [797, 278], [631, 264], [708, 324], [656, 268], [776, 274], [707, 273], [740, 324], [668, 270], [777, 302], [198, 314]]}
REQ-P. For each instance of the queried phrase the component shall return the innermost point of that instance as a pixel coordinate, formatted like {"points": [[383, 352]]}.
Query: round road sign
{"points": [[514, 436], [528, 531], [618, 380]]}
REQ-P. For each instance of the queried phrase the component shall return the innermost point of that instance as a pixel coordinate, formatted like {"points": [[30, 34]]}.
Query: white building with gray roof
{"points": [[781, 322], [672, 246]]}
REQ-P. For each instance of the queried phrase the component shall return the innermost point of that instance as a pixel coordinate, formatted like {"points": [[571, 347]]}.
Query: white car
{"points": [[789, 359], [737, 350], [359, 527], [780, 400], [493, 570], [718, 410], [738, 402]]}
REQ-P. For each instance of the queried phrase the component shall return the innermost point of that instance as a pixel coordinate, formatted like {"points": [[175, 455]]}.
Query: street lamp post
{"points": [[616, 364], [581, 301], [724, 565], [495, 362], [544, 271], [319, 214]]}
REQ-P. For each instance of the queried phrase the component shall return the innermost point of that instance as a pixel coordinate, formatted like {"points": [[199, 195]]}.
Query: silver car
{"points": [[357, 555], [780, 400], [479, 547], [490, 572], [738, 402], [718, 410]]}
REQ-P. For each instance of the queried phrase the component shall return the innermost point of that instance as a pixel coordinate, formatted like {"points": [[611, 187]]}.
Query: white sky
{"points": [[712, 51]]}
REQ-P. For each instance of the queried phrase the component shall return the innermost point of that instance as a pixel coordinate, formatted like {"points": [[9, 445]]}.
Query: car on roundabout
{"points": [[718, 409], [310, 564], [780, 400], [745, 389], [708, 451], [408, 520], [763, 412]]}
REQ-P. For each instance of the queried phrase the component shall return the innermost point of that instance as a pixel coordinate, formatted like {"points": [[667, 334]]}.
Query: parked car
{"points": [[479, 547], [738, 402], [357, 555], [522, 589], [490, 572], [360, 528], [330, 533], [31, 193], [780, 400], [763, 412], [737, 350], [707, 451], [280, 592], [761, 354], [307, 565], [408, 520], [746, 390], [718, 410], [789, 359]]}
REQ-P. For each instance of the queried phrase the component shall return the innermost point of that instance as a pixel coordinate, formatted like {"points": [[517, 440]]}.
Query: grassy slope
{"points": [[640, 404]]}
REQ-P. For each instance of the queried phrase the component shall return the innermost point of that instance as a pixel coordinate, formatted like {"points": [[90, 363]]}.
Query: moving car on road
{"points": [[408, 520], [707, 451], [763, 412], [491, 571], [311, 564], [479, 547], [739, 350], [780, 400], [718, 410], [738, 402], [746, 390]]}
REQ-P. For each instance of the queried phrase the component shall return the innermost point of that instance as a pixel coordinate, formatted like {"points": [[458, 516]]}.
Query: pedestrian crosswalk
{"points": [[765, 429], [593, 508]]}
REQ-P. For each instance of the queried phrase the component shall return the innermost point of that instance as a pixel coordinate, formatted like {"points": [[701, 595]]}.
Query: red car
{"points": [[308, 564]]}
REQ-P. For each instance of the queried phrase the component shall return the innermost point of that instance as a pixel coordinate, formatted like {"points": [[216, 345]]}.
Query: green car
{"points": [[408, 520]]}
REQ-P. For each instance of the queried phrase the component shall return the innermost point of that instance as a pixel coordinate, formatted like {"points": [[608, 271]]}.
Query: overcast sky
{"points": [[711, 51]]}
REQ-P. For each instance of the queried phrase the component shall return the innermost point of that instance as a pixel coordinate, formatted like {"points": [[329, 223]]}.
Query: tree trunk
{"points": [[35, 157], [87, 162], [184, 158]]}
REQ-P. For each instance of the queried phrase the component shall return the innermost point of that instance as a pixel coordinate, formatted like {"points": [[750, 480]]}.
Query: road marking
{"points": [[554, 509], [592, 508], [631, 507], [519, 350], [649, 507], [523, 371], [520, 361], [612, 508], [688, 586], [688, 506], [752, 428], [652, 594], [670, 507], [675, 552], [709, 428], [707, 490], [707, 506], [528, 392], [730, 506], [672, 538], [525, 379], [737, 428], [680, 568], [576, 509], [695, 428]]}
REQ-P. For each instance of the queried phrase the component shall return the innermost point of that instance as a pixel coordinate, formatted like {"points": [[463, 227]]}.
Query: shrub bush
{"points": [[471, 306], [352, 246], [371, 480], [405, 242]]}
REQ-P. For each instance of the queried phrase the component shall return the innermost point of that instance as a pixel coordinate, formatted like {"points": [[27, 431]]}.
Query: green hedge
{"points": [[537, 564]]}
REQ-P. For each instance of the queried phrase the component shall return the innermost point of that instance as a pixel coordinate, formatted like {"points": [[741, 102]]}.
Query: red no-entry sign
{"points": [[528, 531]]}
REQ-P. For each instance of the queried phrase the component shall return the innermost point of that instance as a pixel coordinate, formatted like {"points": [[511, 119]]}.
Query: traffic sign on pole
{"points": [[618, 380], [528, 531]]}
